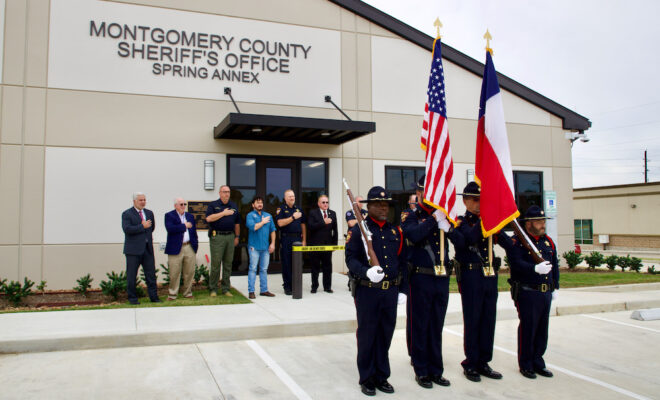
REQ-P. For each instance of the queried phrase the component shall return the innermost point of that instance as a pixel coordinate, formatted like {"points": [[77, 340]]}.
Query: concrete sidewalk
{"points": [[280, 316]]}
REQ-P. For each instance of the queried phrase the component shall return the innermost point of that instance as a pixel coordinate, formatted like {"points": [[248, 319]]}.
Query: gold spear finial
{"points": [[437, 25], [488, 38]]}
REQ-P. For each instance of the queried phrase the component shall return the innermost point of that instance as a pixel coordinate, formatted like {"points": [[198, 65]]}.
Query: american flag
{"points": [[439, 187]]}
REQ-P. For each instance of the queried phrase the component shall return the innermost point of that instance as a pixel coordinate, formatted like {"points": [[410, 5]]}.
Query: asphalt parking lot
{"points": [[594, 356]]}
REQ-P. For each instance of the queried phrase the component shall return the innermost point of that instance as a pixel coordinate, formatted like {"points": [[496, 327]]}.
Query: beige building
{"points": [[618, 217], [103, 98]]}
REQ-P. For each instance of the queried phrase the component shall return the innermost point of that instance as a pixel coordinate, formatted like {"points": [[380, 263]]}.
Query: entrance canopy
{"points": [[276, 128]]}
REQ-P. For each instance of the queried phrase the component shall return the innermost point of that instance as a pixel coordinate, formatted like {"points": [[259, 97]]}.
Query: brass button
{"points": [[382, 237], [385, 256]]}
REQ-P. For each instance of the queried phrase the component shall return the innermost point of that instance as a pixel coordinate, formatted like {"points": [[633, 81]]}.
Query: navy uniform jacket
{"points": [[226, 223], [388, 246], [137, 239], [421, 228], [350, 215], [285, 212], [522, 264], [470, 238]]}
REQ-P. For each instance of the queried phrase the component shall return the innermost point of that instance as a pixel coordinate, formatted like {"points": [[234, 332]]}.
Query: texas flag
{"points": [[493, 161]]}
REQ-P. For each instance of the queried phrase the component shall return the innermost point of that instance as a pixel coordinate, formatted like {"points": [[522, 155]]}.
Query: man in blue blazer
{"points": [[181, 248], [138, 225]]}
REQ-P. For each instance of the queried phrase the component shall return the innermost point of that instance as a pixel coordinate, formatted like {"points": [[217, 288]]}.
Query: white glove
{"points": [[444, 225], [375, 274], [543, 268], [403, 297], [439, 216], [555, 294]]}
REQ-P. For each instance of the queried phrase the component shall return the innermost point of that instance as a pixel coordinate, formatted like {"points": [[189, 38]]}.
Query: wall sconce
{"points": [[469, 174], [209, 174], [633, 206]]}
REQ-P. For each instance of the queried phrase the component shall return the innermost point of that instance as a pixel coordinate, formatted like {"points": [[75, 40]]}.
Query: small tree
{"points": [[651, 270], [624, 262], [42, 287], [635, 264], [595, 259], [612, 262], [15, 292], [572, 258], [202, 274], [84, 284], [115, 284]]}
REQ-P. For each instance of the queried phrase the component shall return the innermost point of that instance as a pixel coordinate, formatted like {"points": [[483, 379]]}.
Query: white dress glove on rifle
{"points": [[543, 268], [402, 298], [442, 220], [555, 294], [375, 274]]}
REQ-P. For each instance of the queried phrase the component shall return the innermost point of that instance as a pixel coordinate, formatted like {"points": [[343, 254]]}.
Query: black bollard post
{"points": [[296, 273]]}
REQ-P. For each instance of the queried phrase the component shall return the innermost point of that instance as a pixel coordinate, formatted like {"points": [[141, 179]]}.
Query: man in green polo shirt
{"points": [[224, 231]]}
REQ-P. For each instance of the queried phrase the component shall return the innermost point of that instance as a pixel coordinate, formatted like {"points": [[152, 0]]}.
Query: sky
{"points": [[596, 58]]}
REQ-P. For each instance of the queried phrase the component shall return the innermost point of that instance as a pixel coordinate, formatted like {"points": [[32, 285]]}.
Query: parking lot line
{"points": [[569, 372], [284, 377], [620, 323]]}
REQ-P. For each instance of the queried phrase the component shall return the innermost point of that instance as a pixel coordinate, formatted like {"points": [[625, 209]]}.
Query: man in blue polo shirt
{"points": [[261, 228], [224, 231]]}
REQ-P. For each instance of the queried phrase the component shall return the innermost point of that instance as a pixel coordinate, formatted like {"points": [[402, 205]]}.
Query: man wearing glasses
{"points": [[181, 248], [322, 231], [224, 231]]}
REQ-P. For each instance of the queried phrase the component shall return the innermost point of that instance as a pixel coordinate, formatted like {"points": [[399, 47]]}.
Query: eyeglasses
{"points": [[183, 204], [324, 202]]}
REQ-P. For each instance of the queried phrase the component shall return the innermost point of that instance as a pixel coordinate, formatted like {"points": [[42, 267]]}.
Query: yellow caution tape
{"points": [[317, 248]]}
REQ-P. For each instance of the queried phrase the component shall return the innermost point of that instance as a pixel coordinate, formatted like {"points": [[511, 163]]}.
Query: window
{"points": [[584, 231], [401, 183], [529, 189]]}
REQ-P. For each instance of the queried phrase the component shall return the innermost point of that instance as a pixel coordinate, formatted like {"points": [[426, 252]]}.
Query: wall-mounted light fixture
{"points": [[469, 174], [209, 174]]}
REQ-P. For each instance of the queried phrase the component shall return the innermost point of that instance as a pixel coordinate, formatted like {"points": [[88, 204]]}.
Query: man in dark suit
{"points": [[322, 231], [138, 225], [181, 248]]}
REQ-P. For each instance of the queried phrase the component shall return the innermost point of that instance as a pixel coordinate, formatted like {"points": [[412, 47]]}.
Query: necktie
{"points": [[141, 215], [325, 214]]}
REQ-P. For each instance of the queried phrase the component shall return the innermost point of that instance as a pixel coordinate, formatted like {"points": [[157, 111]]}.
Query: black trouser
{"points": [[133, 263], [534, 314], [322, 261], [286, 255]]}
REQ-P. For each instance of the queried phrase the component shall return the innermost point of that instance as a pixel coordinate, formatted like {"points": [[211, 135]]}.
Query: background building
{"points": [[621, 217], [104, 98]]}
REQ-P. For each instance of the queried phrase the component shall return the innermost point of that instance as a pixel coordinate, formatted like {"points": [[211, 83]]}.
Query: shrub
{"points": [[42, 287], [202, 275], [635, 264], [651, 270], [15, 292], [84, 284], [624, 262], [115, 284], [612, 262], [595, 259], [572, 258]]}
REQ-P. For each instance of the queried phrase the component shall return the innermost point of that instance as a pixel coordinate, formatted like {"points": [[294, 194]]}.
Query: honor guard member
{"points": [[291, 221], [224, 230], [378, 290], [350, 217], [533, 287], [428, 293], [477, 284]]}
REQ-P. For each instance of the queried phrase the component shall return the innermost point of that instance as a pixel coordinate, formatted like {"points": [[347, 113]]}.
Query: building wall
{"points": [[70, 157], [628, 213]]}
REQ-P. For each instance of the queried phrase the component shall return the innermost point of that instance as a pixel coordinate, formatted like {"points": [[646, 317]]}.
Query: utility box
{"points": [[604, 240]]}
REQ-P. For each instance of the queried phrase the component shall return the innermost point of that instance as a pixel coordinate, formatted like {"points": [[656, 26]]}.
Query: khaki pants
{"points": [[185, 259], [222, 258]]}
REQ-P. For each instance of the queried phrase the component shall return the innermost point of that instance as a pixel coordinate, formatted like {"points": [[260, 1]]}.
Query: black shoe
{"points": [[313, 290], [156, 301], [472, 375], [134, 302], [328, 290], [439, 380], [287, 292], [528, 373], [385, 387], [544, 372], [489, 373], [368, 388], [424, 381]]}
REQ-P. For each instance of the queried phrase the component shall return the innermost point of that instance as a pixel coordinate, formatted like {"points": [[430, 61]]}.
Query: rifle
{"points": [[364, 230], [524, 239]]}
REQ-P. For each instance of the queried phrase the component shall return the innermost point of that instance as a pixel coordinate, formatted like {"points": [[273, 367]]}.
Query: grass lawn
{"points": [[200, 298], [581, 279]]}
